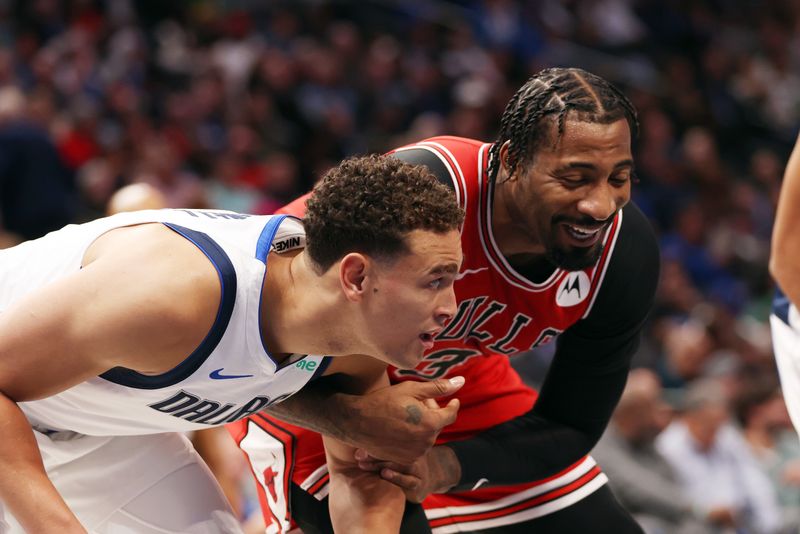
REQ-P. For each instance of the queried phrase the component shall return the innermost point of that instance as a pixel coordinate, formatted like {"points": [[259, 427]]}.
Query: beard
{"points": [[574, 259]]}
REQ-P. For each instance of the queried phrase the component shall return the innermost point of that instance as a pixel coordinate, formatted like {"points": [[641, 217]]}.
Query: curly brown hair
{"points": [[369, 204]]}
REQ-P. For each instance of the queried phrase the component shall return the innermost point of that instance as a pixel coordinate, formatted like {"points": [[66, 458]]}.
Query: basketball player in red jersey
{"points": [[553, 250]]}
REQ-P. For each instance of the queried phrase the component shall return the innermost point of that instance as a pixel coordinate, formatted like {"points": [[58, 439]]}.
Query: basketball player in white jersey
{"points": [[118, 333], [784, 264]]}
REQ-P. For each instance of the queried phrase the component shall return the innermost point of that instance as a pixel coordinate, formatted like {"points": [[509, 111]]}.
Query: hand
{"points": [[399, 423], [436, 472]]}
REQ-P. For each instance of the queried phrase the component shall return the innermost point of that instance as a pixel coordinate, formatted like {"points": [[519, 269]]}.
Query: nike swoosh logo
{"points": [[462, 274], [216, 375]]}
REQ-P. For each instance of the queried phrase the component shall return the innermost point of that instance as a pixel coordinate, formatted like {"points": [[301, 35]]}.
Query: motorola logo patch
{"points": [[574, 289]]}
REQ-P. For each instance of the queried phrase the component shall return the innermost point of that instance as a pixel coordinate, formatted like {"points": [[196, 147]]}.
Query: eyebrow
{"points": [[592, 166], [442, 268]]}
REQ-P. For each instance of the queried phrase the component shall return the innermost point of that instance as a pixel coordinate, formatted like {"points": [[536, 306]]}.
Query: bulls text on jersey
{"points": [[467, 327]]}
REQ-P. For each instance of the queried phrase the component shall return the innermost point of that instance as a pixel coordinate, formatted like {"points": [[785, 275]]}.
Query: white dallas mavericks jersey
{"points": [[229, 376], [785, 324]]}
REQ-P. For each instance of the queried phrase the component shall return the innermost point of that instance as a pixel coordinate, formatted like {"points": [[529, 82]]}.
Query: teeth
{"points": [[582, 231]]}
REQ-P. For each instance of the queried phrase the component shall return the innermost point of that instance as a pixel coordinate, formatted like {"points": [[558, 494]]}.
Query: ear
{"points": [[353, 271], [504, 157]]}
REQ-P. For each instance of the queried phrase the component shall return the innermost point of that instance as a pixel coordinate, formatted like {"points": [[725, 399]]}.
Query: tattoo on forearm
{"points": [[414, 415], [298, 413]]}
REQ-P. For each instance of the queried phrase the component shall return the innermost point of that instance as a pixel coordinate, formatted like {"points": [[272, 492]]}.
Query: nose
{"points": [[447, 307], [601, 201]]}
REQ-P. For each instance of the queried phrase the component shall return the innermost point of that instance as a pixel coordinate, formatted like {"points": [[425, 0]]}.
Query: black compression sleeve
{"points": [[585, 380], [421, 156]]}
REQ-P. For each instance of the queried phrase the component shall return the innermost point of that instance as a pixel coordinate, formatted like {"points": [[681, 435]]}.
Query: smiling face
{"points": [[411, 298], [566, 197]]}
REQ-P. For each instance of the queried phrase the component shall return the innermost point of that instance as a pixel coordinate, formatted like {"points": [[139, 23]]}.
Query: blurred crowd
{"points": [[242, 105]]}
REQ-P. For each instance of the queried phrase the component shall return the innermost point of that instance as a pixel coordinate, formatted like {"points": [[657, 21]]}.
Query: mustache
{"points": [[587, 222]]}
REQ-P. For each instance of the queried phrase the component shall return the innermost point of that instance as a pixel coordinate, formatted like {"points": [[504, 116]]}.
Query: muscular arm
{"points": [[65, 333], [585, 380], [360, 502], [783, 262]]}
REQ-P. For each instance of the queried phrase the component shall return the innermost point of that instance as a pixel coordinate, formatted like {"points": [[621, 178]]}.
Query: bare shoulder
{"points": [[144, 299], [169, 288]]}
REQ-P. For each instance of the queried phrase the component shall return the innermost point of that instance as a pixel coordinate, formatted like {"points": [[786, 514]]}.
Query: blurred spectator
{"points": [[642, 479], [715, 466], [135, 197], [161, 168], [36, 190], [762, 413]]}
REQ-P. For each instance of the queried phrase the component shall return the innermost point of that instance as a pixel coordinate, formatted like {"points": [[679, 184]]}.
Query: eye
{"points": [[436, 284], [620, 180], [572, 181]]}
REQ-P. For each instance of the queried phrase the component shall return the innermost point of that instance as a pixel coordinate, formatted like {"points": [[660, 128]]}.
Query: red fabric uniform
{"points": [[500, 313]]}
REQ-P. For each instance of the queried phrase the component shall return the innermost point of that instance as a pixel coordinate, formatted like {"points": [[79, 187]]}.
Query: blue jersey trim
{"points": [[262, 251], [326, 361], [227, 278], [266, 237], [780, 305]]}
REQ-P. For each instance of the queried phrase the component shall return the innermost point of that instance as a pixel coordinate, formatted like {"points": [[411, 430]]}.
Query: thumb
{"points": [[440, 387]]}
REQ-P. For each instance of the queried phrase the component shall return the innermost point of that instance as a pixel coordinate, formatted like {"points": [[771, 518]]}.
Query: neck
{"points": [[299, 308]]}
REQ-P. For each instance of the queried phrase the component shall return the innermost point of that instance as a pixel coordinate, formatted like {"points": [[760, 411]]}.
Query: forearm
{"points": [[374, 421], [25, 488], [562, 428], [785, 240], [365, 504], [360, 502], [319, 408], [522, 450]]}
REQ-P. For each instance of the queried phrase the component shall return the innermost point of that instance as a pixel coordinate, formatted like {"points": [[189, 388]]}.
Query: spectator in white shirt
{"points": [[715, 465]]}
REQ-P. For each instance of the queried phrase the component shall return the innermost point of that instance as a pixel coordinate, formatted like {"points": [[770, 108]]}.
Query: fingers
{"points": [[440, 387], [361, 455], [408, 483], [367, 462], [369, 466], [430, 403], [447, 415]]}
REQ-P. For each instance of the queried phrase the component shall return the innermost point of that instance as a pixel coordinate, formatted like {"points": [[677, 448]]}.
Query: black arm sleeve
{"points": [[585, 380], [421, 156]]}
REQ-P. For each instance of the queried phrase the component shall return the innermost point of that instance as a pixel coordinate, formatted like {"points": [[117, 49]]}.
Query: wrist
{"points": [[448, 468]]}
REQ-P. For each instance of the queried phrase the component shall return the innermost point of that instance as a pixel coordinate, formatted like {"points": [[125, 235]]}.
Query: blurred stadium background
{"points": [[242, 104]]}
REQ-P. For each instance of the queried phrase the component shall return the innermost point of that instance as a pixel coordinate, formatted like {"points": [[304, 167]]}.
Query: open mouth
{"points": [[427, 339], [582, 235]]}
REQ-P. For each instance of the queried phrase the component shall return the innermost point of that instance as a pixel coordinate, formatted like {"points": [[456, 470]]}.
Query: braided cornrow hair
{"points": [[556, 92]]}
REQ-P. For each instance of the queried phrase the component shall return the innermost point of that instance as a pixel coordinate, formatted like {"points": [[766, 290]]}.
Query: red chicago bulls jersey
{"points": [[500, 313]]}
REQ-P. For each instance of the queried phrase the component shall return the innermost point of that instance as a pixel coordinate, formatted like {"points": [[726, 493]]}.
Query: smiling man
{"points": [[116, 335], [552, 250]]}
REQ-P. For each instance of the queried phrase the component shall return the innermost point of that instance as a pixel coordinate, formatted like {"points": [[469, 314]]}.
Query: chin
{"points": [[575, 259]]}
